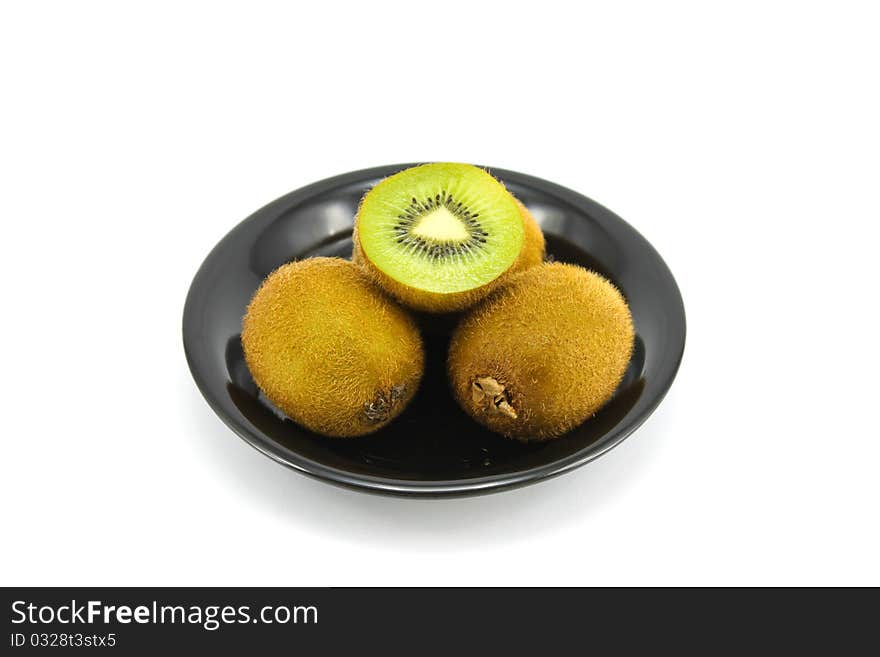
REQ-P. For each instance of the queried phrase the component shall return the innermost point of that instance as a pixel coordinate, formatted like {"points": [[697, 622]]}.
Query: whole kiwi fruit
{"points": [[329, 349], [440, 237], [543, 353]]}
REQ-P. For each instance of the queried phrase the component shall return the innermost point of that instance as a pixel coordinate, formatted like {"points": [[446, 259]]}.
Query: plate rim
{"points": [[434, 488]]}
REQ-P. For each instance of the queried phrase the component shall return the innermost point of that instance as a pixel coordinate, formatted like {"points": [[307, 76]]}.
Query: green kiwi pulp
{"points": [[442, 228]]}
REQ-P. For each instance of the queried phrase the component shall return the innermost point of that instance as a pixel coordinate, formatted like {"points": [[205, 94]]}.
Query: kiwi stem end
{"points": [[485, 387], [383, 404]]}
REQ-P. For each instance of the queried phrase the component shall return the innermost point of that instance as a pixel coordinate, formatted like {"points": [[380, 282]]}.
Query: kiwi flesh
{"points": [[439, 237], [543, 353], [329, 349]]}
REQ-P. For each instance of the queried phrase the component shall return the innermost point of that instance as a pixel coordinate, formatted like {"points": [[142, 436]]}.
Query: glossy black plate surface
{"points": [[433, 448]]}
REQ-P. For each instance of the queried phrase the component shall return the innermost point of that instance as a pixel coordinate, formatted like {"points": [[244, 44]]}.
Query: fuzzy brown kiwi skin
{"points": [[330, 350], [542, 354], [534, 246], [532, 254]]}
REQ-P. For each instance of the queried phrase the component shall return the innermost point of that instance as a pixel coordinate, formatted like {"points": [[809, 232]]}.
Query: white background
{"points": [[741, 139]]}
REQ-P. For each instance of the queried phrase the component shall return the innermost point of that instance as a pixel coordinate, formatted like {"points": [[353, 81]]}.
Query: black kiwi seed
{"points": [[435, 250]]}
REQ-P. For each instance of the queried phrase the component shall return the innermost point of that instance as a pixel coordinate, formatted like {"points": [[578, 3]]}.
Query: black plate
{"points": [[433, 448]]}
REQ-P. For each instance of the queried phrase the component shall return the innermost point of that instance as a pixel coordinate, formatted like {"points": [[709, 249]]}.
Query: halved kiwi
{"points": [[439, 236]]}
